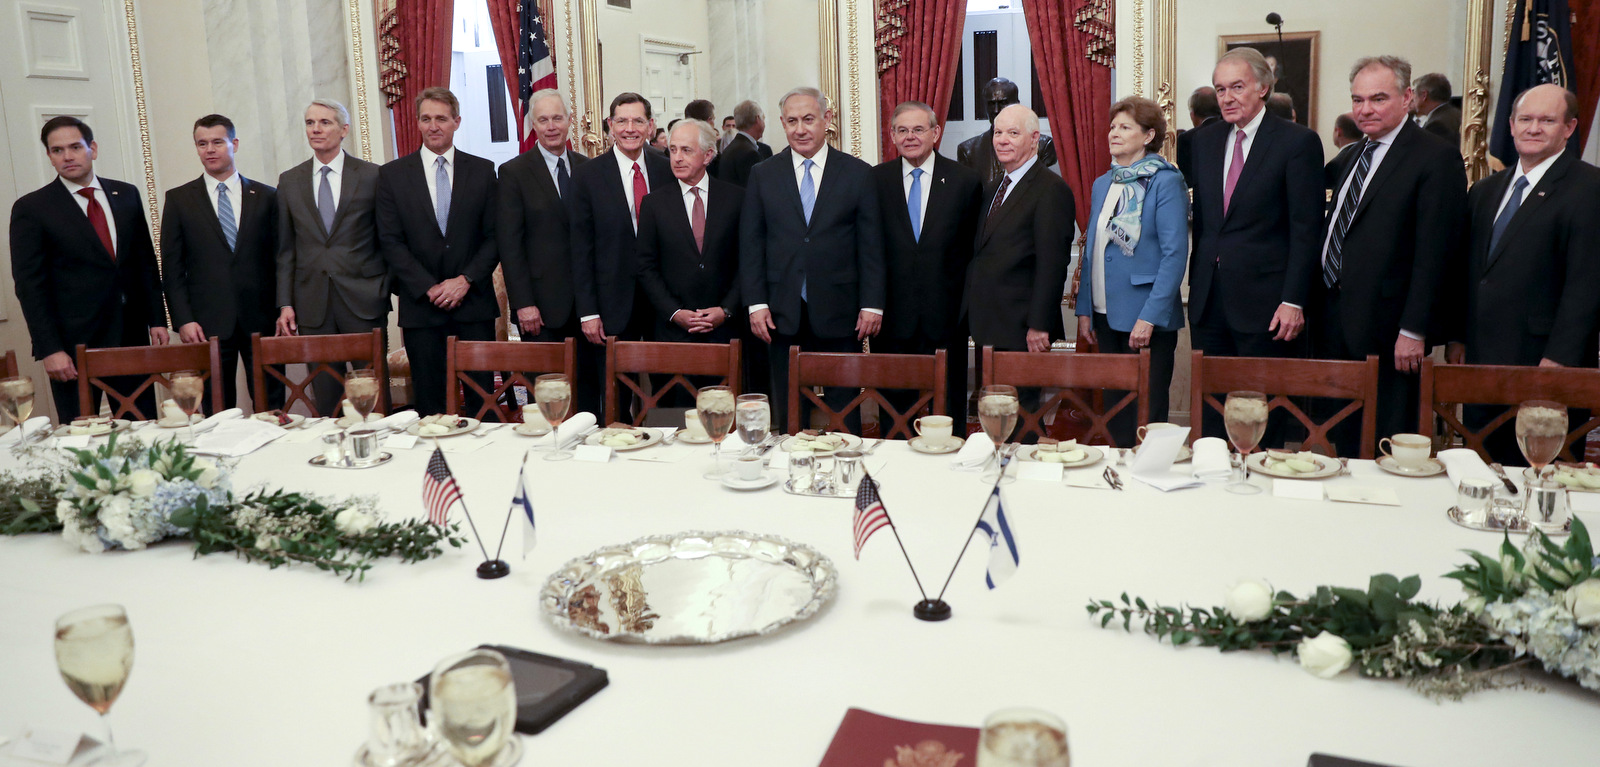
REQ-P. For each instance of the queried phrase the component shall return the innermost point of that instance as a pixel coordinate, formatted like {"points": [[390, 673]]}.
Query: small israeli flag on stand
{"points": [[1003, 559], [520, 503]]}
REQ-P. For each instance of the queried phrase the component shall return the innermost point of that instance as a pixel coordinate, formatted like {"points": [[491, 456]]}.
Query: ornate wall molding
{"points": [[1166, 74], [359, 64], [855, 76], [1476, 89], [1138, 48], [151, 196]]}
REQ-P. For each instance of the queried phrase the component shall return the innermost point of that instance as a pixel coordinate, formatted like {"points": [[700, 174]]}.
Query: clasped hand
{"points": [[448, 294], [700, 320]]}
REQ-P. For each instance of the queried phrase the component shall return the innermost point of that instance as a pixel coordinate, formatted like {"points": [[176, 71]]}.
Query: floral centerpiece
{"points": [[1538, 606]]}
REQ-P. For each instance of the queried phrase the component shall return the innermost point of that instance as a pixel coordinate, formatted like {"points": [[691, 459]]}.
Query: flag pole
{"points": [[507, 527], [1003, 461], [490, 568], [868, 477]]}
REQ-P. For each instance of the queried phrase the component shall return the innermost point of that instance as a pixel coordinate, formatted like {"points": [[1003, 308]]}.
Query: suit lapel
{"points": [[303, 196], [612, 181], [1483, 219], [1212, 155], [203, 203], [1008, 207], [829, 180], [249, 207], [85, 232], [1258, 149], [459, 180], [347, 192], [1532, 202], [897, 188], [791, 189], [1398, 155]]}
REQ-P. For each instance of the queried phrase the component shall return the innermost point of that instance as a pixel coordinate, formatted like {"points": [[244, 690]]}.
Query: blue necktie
{"points": [[914, 204], [325, 202], [441, 194], [230, 229], [808, 200], [1504, 219]]}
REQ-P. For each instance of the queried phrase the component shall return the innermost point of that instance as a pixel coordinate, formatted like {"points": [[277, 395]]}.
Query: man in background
{"points": [[728, 132], [1435, 113], [745, 149], [1203, 111]]}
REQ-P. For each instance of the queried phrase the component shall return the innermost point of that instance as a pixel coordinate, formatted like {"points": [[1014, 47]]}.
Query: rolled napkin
{"points": [[1211, 459], [208, 424], [974, 454], [1464, 463], [29, 427], [572, 427], [399, 421]]}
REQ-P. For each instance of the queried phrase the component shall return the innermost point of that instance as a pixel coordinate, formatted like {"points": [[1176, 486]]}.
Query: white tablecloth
{"points": [[241, 665]]}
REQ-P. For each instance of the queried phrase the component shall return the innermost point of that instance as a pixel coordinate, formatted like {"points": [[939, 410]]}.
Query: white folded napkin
{"points": [[1464, 463], [1152, 465], [974, 454], [399, 421], [574, 426], [237, 437], [1211, 459], [30, 427], [208, 424]]}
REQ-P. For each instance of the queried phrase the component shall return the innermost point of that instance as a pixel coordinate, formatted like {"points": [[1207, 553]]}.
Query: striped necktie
{"points": [[230, 229], [1347, 213]]}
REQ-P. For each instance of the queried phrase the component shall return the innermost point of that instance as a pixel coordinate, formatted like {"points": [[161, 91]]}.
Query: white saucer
{"points": [[734, 483], [930, 447], [525, 430], [686, 438], [1432, 468]]}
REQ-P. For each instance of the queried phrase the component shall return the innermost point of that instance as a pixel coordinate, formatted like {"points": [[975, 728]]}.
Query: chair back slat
{"points": [[1446, 386], [924, 373], [629, 363], [1281, 379], [1069, 374], [517, 362], [322, 355], [155, 363]]}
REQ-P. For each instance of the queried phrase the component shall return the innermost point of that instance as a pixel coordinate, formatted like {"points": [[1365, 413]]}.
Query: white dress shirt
{"points": [[550, 164], [1016, 176], [100, 197], [430, 172], [927, 183], [235, 184], [1533, 177], [1384, 142], [819, 163], [1250, 130], [333, 178]]}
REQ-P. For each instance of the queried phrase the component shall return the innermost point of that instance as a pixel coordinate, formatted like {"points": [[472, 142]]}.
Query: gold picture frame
{"points": [[1295, 53]]}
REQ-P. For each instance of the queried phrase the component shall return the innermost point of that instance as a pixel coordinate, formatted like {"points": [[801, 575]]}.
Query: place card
{"points": [[400, 441], [777, 459], [1377, 496], [77, 441], [592, 453], [1298, 489], [1088, 480], [1040, 471], [48, 746]]}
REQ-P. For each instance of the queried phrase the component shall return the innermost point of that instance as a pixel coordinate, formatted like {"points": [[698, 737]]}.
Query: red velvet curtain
{"points": [[1585, 33], [919, 51], [424, 34], [1077, 94]]}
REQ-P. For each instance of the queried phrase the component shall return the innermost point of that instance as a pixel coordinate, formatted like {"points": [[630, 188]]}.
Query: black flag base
{"points": [[932, 610], [494, 568]]}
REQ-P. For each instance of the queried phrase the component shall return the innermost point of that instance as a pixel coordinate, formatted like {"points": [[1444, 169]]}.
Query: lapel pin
{"points": [[1541, 194]]}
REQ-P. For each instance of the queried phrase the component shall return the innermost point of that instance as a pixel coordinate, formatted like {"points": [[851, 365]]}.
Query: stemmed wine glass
{"points": [[187, 389], [472, 701], [16, 401], [553, 394], [715, 406], [1541, 432], [1245, 416], [361, 390], [94, 652], [997, 414]]}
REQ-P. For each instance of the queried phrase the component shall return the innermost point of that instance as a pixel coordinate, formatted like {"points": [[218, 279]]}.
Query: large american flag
{"points": [[439, 489], [870, 513], [536, 65]]}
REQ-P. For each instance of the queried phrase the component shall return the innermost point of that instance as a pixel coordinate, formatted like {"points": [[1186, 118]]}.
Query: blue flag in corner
{"points": [[1003, 559], [520, 503], [1540, 51]]}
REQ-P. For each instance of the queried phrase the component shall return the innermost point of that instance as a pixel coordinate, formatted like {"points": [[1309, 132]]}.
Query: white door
{"points": [[668, 79], [60, 57]]}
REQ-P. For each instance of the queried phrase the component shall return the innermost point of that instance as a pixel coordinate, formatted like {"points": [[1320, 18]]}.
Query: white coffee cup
{"points": [[1409, 451], [1150, 427], [749, 468], [934, 428], [533, 419], [692, 425]]}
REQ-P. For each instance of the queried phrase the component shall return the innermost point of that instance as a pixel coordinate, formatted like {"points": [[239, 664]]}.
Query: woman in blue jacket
{"points": [[1137, 249]]}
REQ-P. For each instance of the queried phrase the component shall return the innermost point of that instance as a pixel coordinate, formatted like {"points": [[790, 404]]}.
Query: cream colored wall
{"points": [[792, 56], [177, 71], [679, 21]]}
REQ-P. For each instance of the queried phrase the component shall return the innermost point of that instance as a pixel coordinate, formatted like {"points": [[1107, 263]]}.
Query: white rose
{"points": [[142, 483], [353, 522], [1249, 601], [1584, 602], [1324, 655], [208, 472], [266, 542], [65, 510]]}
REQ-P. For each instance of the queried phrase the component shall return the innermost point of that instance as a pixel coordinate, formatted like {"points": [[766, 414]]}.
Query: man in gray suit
{"points": [[331, 277]]}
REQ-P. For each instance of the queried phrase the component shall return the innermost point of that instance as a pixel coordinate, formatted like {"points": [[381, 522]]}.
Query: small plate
{"points": [[345, 422], [851, 442], [647, 437], [472, 423], [930, 447], [115, 426], [1432, 468], [526, 430], [174, 424], [688, 439], [1326, 467], [295, 421], [322, 463], [1572, 488], [1091, 456], [734, 483]]}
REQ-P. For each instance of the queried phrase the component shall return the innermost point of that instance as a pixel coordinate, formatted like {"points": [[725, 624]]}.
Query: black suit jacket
{"points": [[1445, 122], [1333, 172], [926, 275], [221, 289], [1269, 240], [534, 237], [742, 154], [838, 256], [71, 290], [1402, 244], [675, 274], [419, 256], [1538, 294], [1019, 268], [1186, 150], [605, 258]]}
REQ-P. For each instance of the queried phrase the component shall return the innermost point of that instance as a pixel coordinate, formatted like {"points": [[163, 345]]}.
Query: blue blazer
{"points": [[1145, 286]]}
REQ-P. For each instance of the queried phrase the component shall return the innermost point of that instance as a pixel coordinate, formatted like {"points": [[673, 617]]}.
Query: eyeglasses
{"points": [[919, 131]]}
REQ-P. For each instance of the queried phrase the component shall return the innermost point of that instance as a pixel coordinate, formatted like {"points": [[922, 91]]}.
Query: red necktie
{"points": [[97, 219], [638, 192], [697, 222]]}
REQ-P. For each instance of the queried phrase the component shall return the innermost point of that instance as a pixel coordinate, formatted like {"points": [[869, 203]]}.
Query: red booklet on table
{"points": [[866, 739]]}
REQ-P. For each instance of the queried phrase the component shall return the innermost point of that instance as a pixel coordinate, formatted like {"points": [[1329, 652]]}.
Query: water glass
{"points": [[1023, 737], [397, 738]]}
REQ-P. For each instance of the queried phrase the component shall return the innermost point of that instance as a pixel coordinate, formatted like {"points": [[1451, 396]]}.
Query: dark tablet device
{"points": [[547, 687], [1326, 760]]}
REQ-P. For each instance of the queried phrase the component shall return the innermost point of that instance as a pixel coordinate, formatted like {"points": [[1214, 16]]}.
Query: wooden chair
{"points": [[322, 355], [1211, 378], [10, 370], [924, 373], [1073, 376], [629, 362], [518, 362], [1445, 386], [155, 363]]}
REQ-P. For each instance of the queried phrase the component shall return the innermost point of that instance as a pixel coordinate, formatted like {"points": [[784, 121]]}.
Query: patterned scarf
{"points": [[1135, 179]]}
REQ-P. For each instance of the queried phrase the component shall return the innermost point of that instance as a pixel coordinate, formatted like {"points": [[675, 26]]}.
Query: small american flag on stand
{"points": [[536, 65], [870, 513], [439, 489]]}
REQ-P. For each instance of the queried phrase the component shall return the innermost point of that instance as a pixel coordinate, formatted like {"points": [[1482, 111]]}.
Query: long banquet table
{"points": [[237, 664]]}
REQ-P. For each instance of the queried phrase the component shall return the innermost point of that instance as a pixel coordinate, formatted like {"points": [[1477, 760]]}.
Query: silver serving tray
{"points": [[689, 588], [322, 462], [1493, 525]]}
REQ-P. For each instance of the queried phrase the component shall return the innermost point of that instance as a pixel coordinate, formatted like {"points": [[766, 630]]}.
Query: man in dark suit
{"points": [[1435, 113], [810, 247], [1390, 242], [532, 228], [689, 243], [83, 264], [606, 196], [929, 212], [977, 152], [331, 277], [1347, 139], [219, 250], [745, 149], [436, 216], [1020, 265], [1203, 111], [1532, 279]]}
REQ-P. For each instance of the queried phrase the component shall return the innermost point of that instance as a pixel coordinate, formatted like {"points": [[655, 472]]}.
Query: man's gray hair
{"points": [[1396, 65], [1436, 85], [708, 134], [1259, 68], [1030, 118], [746, 114], [915, 106], [804, 90], [549, 93], [338, 109]]}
